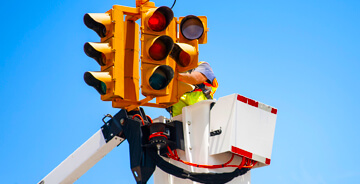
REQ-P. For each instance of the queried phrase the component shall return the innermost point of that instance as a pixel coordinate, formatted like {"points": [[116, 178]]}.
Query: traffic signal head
{"points": [[161, 77], [159, 48], [99, 22], [185, 56], [99, 80], [193, 28], [156, 79], [158, 19], [98, 51], [158, 25]]}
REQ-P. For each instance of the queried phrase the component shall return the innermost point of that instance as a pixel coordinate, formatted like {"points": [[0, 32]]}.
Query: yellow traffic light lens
{"points": [[161, 77], [161, 47], [191, 27], [157, 22]]}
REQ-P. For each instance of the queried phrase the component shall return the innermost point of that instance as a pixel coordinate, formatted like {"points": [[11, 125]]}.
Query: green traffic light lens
{"points": [[90, 80], [158, 80], [161, 77], [103, 87]]}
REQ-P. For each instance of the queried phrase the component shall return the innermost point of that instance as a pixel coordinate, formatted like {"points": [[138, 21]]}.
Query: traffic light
{"points": [[116, 53], [101, 52], [99, 80], [185, 55], [158, 32], [192, 31], [164, 53]]}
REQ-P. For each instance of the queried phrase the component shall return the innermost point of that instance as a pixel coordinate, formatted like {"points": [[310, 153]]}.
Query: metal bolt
{"points": [[189, 123], [111, 134], [122, 121], [190, 148]]}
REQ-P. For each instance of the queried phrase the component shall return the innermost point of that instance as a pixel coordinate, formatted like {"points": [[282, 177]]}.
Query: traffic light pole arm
{"points": [[130, 11], [140, 103], [141, 2], [144, 102]]}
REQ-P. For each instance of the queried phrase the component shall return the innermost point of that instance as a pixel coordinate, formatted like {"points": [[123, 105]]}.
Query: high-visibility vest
{"points": [[193, 97], [212, 87]]}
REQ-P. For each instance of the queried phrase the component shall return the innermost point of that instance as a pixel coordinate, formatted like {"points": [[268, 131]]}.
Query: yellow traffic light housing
{"points": [[101, 81], [99, 22], [157, 48], [156, 20], [192, 31], [164, 53], [185, 55], [116, 53], [157, 40], [101, 52], [156, 79]]}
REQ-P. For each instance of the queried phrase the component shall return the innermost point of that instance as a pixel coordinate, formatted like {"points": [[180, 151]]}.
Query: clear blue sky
{"points": [[301, 57]]}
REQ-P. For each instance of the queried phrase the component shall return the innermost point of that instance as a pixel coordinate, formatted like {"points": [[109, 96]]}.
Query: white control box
{"points": [[242, 126]]}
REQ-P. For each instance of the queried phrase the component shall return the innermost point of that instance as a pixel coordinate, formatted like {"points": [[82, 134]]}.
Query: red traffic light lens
{"points": [[157, 22], [184, 59], [157, 50], [161, 47]]}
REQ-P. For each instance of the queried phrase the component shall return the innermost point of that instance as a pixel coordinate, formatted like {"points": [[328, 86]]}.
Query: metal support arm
{"points": [[87, 155]]}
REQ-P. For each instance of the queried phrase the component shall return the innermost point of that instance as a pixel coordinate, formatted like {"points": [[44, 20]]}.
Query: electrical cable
{"points": [[137, 115], [208, 178], [245, 163], [173, 4], [149, 118], [157, 134]]}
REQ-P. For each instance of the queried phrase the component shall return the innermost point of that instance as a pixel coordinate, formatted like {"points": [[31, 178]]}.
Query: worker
{"points": [[205, 86]]}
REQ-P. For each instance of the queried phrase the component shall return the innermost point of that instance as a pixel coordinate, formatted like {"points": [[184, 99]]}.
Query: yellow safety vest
{"points": [[193, 97]]}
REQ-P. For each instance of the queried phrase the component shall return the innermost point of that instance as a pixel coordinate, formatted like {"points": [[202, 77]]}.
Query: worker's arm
{"points": [[192, 78]]}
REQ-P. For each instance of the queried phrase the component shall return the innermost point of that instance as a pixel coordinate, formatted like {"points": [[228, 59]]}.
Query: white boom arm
{"points": [[82, 159]]}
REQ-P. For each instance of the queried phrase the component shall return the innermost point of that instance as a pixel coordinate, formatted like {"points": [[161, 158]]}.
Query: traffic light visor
{"points": [[160, 47], [97, 51], [99, 22], [160, 18], [161, 77], [98, 80], [191, 27]]}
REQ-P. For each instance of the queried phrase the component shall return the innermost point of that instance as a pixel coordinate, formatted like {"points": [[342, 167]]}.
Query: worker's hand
{"points": [[193, 78]]}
